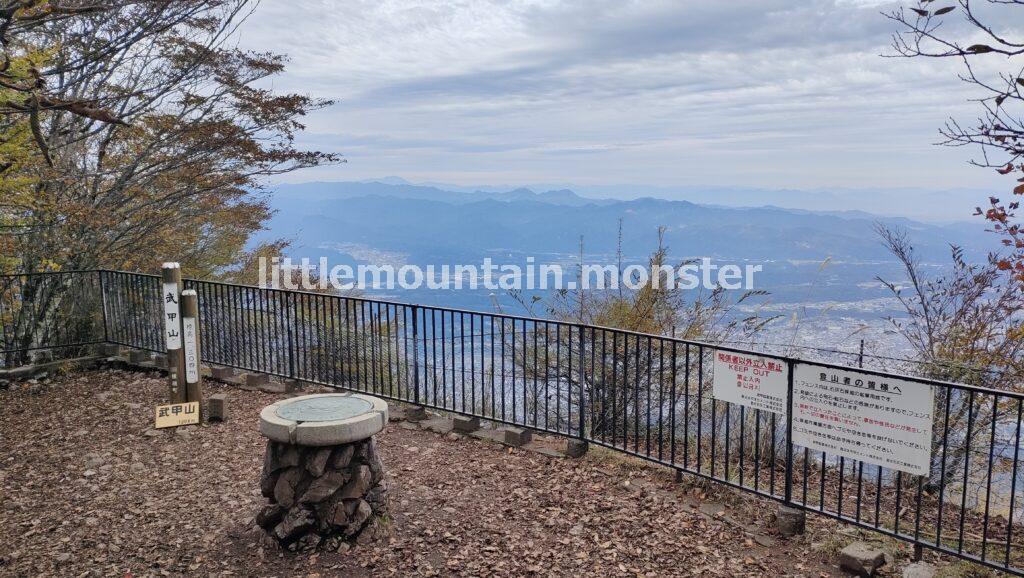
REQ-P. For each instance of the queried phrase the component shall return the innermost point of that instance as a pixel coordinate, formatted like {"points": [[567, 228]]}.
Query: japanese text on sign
{"points": [[177, 414], [171, 314], [191, 353], [879, 420], [751, 380]]}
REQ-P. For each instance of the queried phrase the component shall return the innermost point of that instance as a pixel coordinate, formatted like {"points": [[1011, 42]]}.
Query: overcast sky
{"points": [[766, 93]]}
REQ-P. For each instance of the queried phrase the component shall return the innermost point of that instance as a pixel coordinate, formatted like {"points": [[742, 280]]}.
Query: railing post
{"points": [[103, 306], [789, 432], [790, 519], [416, 354], [583, 386], [289, 310]]}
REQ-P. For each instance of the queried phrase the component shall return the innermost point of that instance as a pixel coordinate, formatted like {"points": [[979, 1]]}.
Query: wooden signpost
{"points": [[181, 331], [190, 343], [171, 296]]}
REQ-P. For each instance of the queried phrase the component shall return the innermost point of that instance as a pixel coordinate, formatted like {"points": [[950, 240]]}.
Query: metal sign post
{"points": [[190, 346], [171, 297]]}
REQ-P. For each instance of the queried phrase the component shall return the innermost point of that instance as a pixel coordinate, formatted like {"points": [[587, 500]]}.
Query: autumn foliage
{"points": [[979, 34], [133, 132]]}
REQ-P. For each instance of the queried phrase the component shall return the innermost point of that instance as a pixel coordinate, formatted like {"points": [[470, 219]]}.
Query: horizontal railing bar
{"points": [[69, 272], [55, 346]]}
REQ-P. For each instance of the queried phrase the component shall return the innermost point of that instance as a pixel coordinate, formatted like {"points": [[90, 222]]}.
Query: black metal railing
{"points": [[57, 312], [645, 395]]}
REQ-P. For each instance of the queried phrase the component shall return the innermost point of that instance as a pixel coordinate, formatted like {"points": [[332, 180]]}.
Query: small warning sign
{"points": [[177, 414], [751, 380]]}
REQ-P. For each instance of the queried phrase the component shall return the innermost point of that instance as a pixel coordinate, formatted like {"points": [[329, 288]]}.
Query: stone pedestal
{"points": [[321, 471], [790, 521]]}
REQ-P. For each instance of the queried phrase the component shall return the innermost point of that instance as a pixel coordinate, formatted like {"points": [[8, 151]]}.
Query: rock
{"points": [[516, 436], [575, 448], [222, 373], [294, 525], [439, 425], [790, 521], [368, 535], [378, 497], [307, 543], [217, 408], [110, 349], [861, 558], [268, 482], [271, 515], [366, 451], [255, 380], [342, 457], [919, 570], [360, 514], [463, 424], [395, 412], [152, 433], [273, 387], [415, 413], [317, 461], [359, 485], [93, 461], [63, 558], [336, 514], [280, 456], [323, 487], [287, 486]]}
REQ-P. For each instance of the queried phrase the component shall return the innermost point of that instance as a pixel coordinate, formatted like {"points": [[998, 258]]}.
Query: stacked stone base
{"points": [[321, 497]]}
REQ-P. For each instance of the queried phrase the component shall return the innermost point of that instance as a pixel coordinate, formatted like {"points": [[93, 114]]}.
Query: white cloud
{"points": [[764, 93]]}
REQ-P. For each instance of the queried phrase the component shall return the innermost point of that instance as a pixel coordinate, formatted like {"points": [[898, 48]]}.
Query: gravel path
{"points": [[85, 491]]}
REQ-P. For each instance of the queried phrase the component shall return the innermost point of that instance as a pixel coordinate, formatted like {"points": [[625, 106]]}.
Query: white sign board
{"points": [[751, 380], [191, 353], [171, 316], [880, 420]]}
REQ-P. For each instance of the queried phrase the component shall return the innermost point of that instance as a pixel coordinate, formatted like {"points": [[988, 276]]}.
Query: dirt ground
{"points": [[85, 490]]}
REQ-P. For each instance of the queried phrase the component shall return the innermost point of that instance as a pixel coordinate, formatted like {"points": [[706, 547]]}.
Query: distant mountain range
{"points": [[428, 223], [929, 205], [319, 191]]}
